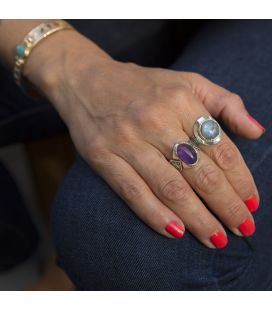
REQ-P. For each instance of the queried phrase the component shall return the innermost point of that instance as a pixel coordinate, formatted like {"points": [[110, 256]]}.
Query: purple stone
{"points": [[187, 153]]}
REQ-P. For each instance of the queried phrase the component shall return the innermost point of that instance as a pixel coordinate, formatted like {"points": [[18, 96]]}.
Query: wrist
{"points": [[51, 62]]}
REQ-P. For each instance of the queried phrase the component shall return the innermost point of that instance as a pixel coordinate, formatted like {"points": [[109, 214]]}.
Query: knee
{"points": [[102, 245]]}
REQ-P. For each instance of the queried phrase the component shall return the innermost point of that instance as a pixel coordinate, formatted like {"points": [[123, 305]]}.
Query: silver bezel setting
{"points": [[199, 138], [175, 154]]}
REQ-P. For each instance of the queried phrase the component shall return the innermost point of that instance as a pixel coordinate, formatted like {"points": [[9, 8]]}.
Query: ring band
{"points": [[207, 131], [184, 155]]}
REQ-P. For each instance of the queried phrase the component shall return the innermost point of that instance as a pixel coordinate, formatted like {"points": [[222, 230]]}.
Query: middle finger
{"points": [[210, 183]]}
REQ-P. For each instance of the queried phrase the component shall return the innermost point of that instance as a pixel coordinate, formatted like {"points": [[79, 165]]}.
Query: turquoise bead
{"points": [[20, 50]]}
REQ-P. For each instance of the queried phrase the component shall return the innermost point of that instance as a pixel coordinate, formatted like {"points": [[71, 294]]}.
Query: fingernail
{"points": [[253, 120], [247, 228], [175, 229], [219, 239], [252, 203]]}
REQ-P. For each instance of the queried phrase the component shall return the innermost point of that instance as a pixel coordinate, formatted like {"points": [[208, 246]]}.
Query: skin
{"points": [[124, 120]]}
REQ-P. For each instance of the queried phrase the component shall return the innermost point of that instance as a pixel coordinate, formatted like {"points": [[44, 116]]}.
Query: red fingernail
{"points": [[219, 240], [247, 228], [252, 119], [175, 229], [252, 203]]}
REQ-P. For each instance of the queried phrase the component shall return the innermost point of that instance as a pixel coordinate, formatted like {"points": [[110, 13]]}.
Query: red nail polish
{"points": [[175, 229], [247, 228], [219, 239], [252, 119], [252, 203]]}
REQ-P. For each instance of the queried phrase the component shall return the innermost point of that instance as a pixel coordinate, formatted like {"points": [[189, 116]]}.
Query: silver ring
{"points": [[184, 155], [207, 131]]}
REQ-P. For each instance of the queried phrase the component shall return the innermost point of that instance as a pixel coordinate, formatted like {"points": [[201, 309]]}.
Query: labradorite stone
{"points": [[209, 129]]}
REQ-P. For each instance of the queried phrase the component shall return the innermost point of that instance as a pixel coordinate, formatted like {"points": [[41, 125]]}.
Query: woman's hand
{"points": [[124, 120]]}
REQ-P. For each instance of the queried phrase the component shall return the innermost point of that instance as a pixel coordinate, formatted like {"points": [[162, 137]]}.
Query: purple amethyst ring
{"points": [[185, 155]]}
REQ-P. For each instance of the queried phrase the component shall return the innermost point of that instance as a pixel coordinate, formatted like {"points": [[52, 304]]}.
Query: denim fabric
{"points": [[146, 42], [103, 246], [100, 243]]}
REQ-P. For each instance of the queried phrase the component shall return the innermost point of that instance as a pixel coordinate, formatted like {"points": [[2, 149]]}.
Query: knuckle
{"points": [[181, 99], [196, 76], [96, 147], [98, 154], [232, 98], [226, 155], [149, 115], [180, 94], [174, 190], [245, 188], [124, 133], [234, 211], [129, 191], [194, 80], [132, 66], [207, 178]]}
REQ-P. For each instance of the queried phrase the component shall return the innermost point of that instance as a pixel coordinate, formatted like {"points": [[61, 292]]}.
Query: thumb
{"points": [[228, 106]]}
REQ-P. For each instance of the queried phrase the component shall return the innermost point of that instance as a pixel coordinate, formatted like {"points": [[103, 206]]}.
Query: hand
{"points": [[124, 120]]}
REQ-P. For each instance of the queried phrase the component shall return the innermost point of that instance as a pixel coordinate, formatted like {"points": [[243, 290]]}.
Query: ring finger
{"points": [[173, 190], [210, 183]]}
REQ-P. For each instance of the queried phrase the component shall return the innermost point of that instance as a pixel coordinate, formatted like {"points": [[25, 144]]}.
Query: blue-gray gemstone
{"points": [[210, 129], [187, 153]]}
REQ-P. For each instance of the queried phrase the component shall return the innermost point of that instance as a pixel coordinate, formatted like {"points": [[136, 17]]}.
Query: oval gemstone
{"points": [[210, 129], [187, 153], [20, 50]]}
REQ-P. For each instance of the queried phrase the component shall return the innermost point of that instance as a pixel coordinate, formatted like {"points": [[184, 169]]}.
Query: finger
{"points": [[210, 183], [172, 189], [124, 180], [228, 158], [224, 104]]}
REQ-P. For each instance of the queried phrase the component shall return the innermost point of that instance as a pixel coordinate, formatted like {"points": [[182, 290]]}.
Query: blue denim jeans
{"points": [[102, 245]]}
